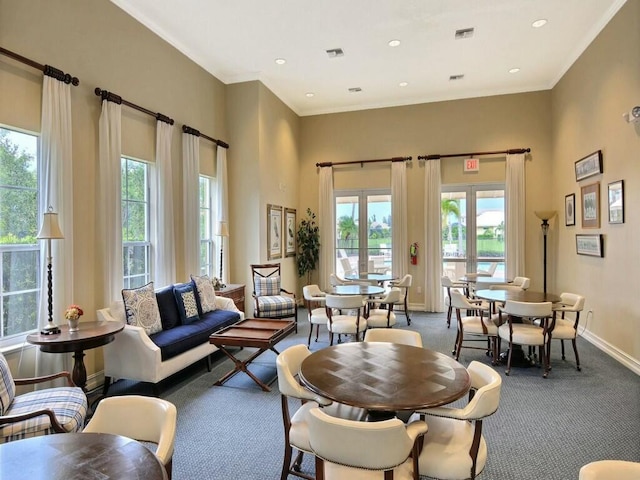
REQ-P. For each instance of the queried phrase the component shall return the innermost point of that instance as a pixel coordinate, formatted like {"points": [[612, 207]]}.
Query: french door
{"points": [[473, 229], [363, 231]]}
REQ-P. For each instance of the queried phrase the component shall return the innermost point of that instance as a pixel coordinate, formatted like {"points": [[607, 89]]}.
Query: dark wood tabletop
{"points": [[517, 295], [67, 456], [90, 335], [356, 290], [385, 377]]}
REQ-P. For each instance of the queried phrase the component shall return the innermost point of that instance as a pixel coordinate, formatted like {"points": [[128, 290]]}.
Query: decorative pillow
{"points": [[141, 306], [186, 300], [267, 286], [205, 293], [7, 386]]}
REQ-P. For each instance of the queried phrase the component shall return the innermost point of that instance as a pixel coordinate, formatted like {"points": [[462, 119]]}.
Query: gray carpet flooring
{"points": [[544, 428]]}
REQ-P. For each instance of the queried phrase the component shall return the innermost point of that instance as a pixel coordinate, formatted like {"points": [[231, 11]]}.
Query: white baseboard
{"points": [[631, 363]]}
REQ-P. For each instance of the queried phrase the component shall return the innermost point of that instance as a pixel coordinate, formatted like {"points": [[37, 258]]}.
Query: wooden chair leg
{"points": [[317, 331], [310, 331], [459, 346], [575, 350], [449, 312], [562, 346], [508, 370]]}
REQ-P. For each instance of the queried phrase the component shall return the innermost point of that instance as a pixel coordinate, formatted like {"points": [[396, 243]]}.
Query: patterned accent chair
{"points": [[41, 412], [268, 298]]}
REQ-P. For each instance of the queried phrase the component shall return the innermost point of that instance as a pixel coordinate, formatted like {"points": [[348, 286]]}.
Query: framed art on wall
{"points": [[616, 201], [290, 232], [589, 166], [590, 195], [589, 245], [274, 232], [570, 209]]}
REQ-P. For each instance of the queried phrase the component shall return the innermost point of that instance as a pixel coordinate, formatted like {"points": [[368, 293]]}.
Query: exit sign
{"points": [[472, 165]]}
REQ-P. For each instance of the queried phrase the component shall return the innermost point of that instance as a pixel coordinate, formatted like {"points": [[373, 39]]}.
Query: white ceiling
{"points": [[239, 40]]}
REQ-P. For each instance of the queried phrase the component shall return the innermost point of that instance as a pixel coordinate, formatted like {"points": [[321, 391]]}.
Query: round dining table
{"points": [[380, 278], [66, 456], [527, 296], [384, 378], [356, 289]]}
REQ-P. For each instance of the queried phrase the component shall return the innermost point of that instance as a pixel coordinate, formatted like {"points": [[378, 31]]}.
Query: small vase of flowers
{"points": [[73, 314]]}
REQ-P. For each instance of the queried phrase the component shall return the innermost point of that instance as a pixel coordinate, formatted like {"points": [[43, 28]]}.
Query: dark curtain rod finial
{"points": [[163, 118], [108, 96]]}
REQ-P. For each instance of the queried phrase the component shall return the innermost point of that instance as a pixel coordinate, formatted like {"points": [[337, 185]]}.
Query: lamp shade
{"points": [[50, 227], [223, 229], [545, 214]]}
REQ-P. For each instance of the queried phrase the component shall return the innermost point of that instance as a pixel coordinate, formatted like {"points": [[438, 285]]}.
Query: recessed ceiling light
{"points": [[403, 84], [464, 33], [280, 61], [394, 43], [309, 94], [539, 23], [355, 90], [514, 70], [335, 52], [456, 77]]}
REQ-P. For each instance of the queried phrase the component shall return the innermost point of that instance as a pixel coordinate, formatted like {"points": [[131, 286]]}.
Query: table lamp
{"points": [[545, 216], [223, 231], [50, 230]]}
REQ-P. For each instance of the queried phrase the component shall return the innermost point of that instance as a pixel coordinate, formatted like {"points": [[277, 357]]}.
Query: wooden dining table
{"points": [[384, 378], [69, 456]]}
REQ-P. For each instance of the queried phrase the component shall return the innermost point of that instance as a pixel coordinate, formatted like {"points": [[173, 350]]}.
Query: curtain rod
{"points": [[362, 162], [511, 151], [46, 69], [197, 133], [112, 97]]}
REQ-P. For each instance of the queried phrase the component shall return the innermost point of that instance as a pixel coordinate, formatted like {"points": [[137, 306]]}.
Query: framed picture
{"points": [[570, 209], [589, 166], [589, 245], [274, 232], [290, 232], [616, 202], [591, 205]]}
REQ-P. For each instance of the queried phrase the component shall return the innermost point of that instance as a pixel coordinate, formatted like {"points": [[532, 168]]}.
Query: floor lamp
{"points": [[50, 230], [545, 216], [223, 231]]}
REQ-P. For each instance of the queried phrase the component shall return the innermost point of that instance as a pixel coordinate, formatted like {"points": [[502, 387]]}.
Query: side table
{"points": [[235, 292], [90, 335]]}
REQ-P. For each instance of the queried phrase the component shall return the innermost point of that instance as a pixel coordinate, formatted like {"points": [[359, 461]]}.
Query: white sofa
{"points": [[133, 355]]}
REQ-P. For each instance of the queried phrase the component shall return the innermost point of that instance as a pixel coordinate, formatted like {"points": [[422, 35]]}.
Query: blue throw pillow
{"points": [[186, 300]]}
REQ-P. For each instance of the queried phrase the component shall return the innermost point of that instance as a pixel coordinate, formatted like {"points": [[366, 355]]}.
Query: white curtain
{"points": [[109, 209], [191, 189], [515, 215], [56, 191], [223, 207], [432, 256], [326, 215], [164, 259], [399, 240]]}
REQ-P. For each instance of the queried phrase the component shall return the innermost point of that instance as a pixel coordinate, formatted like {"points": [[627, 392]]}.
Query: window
{"points": [[207, 243], [136, 244], [19, 248]]}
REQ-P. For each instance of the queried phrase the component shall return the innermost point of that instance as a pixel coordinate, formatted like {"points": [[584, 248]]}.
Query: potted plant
{"points": [[308, 237]]}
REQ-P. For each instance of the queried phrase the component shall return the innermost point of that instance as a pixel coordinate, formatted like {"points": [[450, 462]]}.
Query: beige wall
{"points": [[104, 47], [587, 116], [480, 124]]}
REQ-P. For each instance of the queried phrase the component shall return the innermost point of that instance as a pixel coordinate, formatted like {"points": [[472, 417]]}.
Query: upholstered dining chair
{"points": [[454, 447], [448, 285], [479, 326], [314, 301], [41, 412], [345, 313], [335, 280], [404, 284], [296, 428], [526, 333], [347, 449], [383, 316], [394, 335], [564, 328], [270, 299], [146, 419], [522, 282], [609, 470]]}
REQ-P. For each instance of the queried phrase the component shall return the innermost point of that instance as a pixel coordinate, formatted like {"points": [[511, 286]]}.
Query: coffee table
{"points": [[262, 334]]}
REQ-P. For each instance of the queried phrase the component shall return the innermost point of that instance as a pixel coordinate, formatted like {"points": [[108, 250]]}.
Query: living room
{"points": [[273, 151]]}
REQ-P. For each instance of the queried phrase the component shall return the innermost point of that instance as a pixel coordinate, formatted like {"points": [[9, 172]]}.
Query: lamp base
{"points": [[50, 329]]}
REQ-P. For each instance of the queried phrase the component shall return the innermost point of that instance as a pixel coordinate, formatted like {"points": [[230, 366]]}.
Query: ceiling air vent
{"points": [[464, 33], [456, 77], [355, 90], [335, 52]]}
